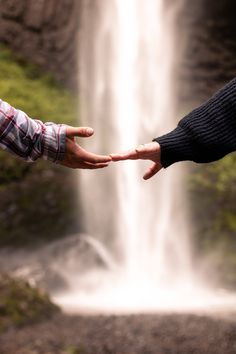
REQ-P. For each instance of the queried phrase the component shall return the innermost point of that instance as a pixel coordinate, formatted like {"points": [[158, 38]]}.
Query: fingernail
{"points": [[139, 148], [89, 131]]}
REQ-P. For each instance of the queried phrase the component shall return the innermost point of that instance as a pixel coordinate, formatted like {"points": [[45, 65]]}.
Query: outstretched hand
{"points": [[76, 156], [151, 151]]}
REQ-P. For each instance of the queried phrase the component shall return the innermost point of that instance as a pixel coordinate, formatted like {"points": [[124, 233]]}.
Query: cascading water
{"points": [[127, 56]]}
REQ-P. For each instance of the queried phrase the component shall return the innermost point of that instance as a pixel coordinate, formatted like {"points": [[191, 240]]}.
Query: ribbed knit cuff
{"points": [[206, 134], [175, 146]]}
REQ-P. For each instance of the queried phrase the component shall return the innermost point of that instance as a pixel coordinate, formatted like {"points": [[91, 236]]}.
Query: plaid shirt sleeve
{"points": [[30, 139]]}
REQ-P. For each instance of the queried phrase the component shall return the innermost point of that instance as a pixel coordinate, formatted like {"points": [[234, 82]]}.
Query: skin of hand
{"points": [[150, 151], [76, 156]]}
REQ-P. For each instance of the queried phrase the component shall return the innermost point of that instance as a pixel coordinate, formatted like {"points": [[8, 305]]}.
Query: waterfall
{"points": [[128, 55]]}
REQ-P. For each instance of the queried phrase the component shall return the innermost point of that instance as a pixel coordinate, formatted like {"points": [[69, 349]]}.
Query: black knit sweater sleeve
{"points": [[206, 134]]}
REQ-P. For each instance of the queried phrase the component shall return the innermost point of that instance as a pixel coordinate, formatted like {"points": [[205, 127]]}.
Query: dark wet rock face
{"points": [[210, 59], [44, 31]]}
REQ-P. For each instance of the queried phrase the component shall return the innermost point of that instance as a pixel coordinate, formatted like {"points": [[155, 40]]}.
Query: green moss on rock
{"points": [[37, 200], [213, 192], [26, 87], [21, 304]]}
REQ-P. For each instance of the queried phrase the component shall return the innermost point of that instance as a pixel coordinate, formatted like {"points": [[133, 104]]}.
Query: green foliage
{"points": [[213, 190], [39, 207], [75, 350], [25, 87], [36, 199], [11, 168], [21, 304]]}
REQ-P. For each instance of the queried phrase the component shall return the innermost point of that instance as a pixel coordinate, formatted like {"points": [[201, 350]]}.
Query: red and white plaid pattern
{"points": [[28, 138]]}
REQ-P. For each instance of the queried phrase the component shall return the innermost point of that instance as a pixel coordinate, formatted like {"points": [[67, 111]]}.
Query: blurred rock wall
{"points": [[209, 27], [44, 31]]}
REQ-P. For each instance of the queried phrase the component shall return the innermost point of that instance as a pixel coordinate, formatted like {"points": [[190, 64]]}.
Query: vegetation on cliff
{"points": [[21, 304], [213, 192], [36, 199], [25, 87]]}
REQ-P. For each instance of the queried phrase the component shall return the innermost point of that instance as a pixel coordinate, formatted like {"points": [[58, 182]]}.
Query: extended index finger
{"points": [[94, 158], [126, 155]]}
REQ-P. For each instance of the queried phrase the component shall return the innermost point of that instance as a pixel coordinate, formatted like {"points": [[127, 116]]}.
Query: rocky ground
{"points": [[150, 334]]}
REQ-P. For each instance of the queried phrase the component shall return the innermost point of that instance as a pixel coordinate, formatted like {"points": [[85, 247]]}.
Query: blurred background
{"points": [[38, 74]]}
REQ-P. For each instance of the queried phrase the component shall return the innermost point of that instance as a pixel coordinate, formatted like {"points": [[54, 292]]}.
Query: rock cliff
{"points": [[209, 27], [44, 31]]}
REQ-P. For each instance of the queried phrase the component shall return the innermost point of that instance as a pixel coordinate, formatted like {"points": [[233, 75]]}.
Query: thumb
{"points": [[83, 132], [155, 167]]}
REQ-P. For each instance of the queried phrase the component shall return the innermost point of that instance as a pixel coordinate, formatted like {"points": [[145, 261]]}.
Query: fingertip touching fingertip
{"points": [[139, 148], [113, 157]]}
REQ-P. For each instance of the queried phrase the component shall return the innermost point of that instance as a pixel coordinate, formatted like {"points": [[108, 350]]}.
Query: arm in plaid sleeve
{"points": [[28, 138]]}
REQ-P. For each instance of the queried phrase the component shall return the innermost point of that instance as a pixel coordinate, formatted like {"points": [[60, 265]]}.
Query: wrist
{"points": [[54, 142]]}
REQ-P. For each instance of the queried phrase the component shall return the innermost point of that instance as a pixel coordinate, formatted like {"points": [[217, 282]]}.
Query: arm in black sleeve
{"points": [[206, 134]]}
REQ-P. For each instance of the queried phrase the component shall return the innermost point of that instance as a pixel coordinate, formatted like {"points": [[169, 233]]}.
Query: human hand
{"points": [[151, 151], [76, 156]]}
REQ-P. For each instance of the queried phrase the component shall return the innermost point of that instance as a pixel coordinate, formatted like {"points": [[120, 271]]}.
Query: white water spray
{"points": [[128, 53]]}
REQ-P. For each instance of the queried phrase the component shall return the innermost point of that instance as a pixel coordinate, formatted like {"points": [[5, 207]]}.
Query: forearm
{"points": [[206, 134], [30, 139]]}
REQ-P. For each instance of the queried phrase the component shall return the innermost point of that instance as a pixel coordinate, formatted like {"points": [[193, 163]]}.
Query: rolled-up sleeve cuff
{"points": [[54, 142]]}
